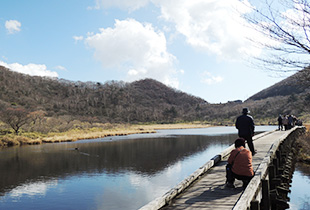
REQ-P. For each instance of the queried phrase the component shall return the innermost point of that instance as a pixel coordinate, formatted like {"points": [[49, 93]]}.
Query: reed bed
{"points": [[92, 133], [303, 144]]}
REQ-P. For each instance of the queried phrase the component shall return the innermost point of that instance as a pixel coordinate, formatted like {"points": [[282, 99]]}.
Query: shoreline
{"points": [[95, 133]]}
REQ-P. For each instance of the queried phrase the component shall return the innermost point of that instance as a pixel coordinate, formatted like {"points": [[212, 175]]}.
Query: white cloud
{"points": [[137, 48], [209, 79], [78, 38], [130, 5], [30, 69], [61, 68], [12, 26], [215, 26]]}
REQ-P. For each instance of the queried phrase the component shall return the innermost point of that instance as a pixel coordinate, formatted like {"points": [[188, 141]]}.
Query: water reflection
{"points": [[109, 173], [147, 156], [299, 196], [33, 189]]}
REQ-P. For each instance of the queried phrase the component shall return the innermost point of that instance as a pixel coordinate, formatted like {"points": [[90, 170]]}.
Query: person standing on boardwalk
{"points": [[280, 123], [245, 126], [240, 160], [285, 122]]}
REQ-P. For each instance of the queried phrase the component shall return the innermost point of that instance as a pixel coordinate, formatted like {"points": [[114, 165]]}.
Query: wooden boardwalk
{"points": [[209, 192]]}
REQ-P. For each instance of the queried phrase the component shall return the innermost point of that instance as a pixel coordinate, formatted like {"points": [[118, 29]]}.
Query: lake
{"points": [[300, 190], [124, 172]]}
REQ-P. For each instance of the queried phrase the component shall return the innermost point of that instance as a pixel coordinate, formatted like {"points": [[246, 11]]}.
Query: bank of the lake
{"points": [[303, 146], [92, 133]]}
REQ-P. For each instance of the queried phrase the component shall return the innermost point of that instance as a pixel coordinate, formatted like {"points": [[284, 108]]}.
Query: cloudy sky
{"points": [[200, 47]]}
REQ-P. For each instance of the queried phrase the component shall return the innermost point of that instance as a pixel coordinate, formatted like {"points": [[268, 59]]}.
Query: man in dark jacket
{"points": [[245, 126]]}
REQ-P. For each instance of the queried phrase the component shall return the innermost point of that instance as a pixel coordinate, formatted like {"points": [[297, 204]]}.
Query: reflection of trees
{"points": [[304, 169], [147, 156]]}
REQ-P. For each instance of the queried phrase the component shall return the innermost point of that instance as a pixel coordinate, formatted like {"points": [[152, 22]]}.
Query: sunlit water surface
{"points": [[110, 173], [300, 190]]}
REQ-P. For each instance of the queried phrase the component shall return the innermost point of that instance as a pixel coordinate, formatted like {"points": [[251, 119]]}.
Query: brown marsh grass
{"points": [[92, 133], [304, 146]]}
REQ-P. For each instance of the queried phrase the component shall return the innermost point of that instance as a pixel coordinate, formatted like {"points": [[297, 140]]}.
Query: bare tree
{"points": [[286, 24], [37, 116], [15, 118]]}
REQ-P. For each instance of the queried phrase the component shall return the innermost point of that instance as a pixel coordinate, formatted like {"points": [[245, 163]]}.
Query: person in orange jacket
{"points": [[241, 160]]}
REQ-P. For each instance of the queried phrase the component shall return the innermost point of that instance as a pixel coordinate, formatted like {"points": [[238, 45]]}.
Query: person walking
{"points": [[240, 160], [280, 123], [245, 126]]}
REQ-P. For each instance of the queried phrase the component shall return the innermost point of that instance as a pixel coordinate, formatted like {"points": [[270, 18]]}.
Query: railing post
{"points": [[278, 154], [255, 205], [265, 195], [272, 175], [275, 162]]}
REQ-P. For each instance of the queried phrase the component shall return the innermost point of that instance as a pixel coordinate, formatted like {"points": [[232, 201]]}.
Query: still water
{"points": [[110, 173], [300, 190]]}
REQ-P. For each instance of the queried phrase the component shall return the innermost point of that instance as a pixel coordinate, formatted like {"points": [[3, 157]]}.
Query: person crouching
{"points": [[240, 160]]}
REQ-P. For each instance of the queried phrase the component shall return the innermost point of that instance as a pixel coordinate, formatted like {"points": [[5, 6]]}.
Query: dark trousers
{"points": [[280, 126], [249, 141], [245, 179]]}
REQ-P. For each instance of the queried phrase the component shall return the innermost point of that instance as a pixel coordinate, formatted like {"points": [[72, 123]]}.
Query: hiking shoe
{"points": [[244, 184], [229, 185]]}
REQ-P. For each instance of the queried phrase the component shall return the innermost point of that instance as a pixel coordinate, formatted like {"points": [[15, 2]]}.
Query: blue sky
{"points": [[200, 47]]}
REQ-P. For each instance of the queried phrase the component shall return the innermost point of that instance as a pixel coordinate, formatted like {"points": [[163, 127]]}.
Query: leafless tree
{"points": [[15, 118], [286, 24]]}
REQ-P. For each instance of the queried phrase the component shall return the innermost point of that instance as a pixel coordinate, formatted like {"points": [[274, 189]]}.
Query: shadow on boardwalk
{"points": [[211, 190], [208, 195]]}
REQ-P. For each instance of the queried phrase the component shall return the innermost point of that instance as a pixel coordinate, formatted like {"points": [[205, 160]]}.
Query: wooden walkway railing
{"points": [[205, 188]]}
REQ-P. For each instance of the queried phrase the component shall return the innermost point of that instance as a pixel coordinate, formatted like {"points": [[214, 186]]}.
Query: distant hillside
{"points": [[147, 100], [290, 96], [296, 84], [141, 101]]}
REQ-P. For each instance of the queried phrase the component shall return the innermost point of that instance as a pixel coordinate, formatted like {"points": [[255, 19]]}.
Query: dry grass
{"points": [[119, 130], [171, 126], [74, 136], [304, 146], [93, 133], [12, 140], [307, 125]]}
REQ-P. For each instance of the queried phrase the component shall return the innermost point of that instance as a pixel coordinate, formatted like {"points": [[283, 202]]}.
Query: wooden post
{"points": [[272, 173], [255, 205], [265, 194], [278, 154], [272, 176], [275, 162]]}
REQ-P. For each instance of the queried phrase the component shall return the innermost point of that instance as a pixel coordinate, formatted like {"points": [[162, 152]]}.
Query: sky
{"points": [[200, 47]]}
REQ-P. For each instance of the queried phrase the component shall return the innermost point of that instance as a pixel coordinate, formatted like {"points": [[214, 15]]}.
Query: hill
{"points": [[141, 101], [298, 83], [147, 100], [289, 96]]}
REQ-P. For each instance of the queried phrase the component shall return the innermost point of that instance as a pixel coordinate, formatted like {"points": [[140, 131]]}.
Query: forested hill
{"points": [[298, 83], [141, 101], [147, 100], [289, 96]]}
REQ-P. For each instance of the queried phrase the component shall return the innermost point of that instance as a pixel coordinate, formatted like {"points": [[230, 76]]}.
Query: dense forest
{"points": [[143, 101]]}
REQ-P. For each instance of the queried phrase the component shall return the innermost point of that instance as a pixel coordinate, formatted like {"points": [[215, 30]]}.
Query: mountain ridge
{"points": [[147, 100]]}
